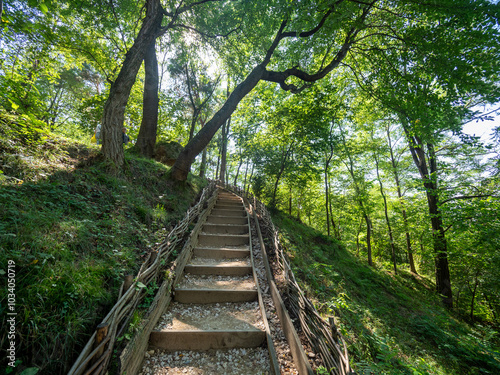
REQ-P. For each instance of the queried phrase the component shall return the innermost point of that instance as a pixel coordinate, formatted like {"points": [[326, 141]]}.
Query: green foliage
{"points": [[73, 230], [392, 323]]}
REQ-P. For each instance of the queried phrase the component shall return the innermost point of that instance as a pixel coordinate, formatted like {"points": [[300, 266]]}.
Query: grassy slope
{"points": [[73, 230], [392, 323]]}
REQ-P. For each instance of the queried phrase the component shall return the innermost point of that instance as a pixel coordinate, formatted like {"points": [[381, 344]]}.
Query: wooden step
{"points": [[222, 252], [225, 206], [221, 240], [224, 212], [185, 295], [205, 340], [218, 219], [225, 228], [223, 270], [228, 196]]}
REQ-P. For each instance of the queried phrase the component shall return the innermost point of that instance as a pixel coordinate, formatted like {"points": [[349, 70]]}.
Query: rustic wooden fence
{"points": [[158, 268], [323, 336]]}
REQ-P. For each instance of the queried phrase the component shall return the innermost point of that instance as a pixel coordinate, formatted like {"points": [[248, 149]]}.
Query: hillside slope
{"points": [[393, 323], [73, 230]]}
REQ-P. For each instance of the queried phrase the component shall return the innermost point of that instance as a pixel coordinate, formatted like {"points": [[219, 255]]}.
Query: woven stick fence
{"points": [[95, 357], [323, 336]]}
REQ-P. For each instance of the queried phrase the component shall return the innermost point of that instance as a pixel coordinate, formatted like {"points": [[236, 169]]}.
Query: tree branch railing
{"points": [[96, 355], [323, 336]]}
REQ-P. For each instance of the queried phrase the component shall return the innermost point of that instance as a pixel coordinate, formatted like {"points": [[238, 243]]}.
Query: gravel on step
{"points": [[217, 316], [212, 362], [215, 282], [234, 262]]}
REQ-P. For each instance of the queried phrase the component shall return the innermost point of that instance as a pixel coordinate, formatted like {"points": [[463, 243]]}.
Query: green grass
{"points": [[393, 324], [74, 230]]}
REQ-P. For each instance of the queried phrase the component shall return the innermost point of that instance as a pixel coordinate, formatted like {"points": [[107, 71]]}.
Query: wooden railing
{"points": [[96, 356], [323, 336]]}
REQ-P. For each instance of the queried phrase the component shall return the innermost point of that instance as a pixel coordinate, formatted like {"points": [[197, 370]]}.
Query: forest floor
{"points": [[393, 323]]}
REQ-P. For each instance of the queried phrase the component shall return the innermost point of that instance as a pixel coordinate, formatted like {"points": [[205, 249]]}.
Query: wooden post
{"points": [[101, 333], [127, 282], [335, 332], [154, 254]]}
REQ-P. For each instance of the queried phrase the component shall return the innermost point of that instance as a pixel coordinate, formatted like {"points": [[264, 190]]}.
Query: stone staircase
{"points": [[216, 304]]}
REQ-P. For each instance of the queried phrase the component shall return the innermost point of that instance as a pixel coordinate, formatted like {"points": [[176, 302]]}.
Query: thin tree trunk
{"points": [[245, 179], [368, 238], [146, 139], [492, 309], [238, 171], [364, 211], [327, 194], [193, 124], [280, 173], [203, 165], [223, 159], [473, 297], [250, 178], [403, 210], [336, 229], [389, 228], [218, 165], [357, 237]]}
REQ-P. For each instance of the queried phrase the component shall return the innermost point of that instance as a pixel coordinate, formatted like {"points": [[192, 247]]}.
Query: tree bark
{"points": [[146, 139], [359, 197], [403, 210], [246, 175], [428, 173], [280, 173], [389, 228], [336, 228], [327, 193], [250, 178], [223, 157], [238, 171], [182, 166], [114, 109], [203, 165]]}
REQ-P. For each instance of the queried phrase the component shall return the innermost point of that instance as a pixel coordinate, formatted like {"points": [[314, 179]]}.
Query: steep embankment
{"points": [[73, 230], [393, 323]]}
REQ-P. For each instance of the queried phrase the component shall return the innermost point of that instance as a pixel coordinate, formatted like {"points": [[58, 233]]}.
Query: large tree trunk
{"points": [[428, 173], [147, 133], [182, 166], [114, 109]]}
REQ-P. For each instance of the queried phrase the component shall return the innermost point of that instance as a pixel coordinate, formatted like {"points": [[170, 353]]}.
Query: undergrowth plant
{"points": [[393, 324], [74, 230]]}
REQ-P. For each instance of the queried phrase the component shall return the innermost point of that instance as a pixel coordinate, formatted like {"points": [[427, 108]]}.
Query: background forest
{"points": [[347, 116]]}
